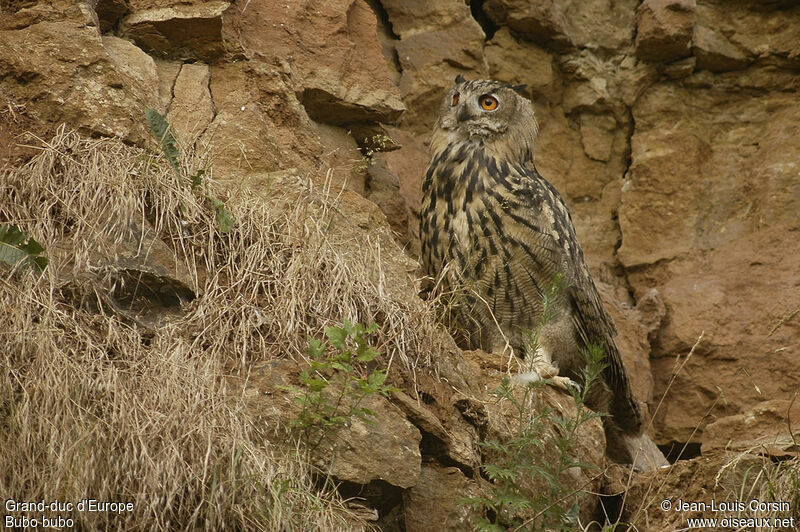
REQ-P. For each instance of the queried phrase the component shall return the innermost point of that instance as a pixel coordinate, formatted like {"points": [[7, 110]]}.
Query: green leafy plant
{"points": [[332, 390], [16, 247], [525, 470], [169, 145], [166, 141]]}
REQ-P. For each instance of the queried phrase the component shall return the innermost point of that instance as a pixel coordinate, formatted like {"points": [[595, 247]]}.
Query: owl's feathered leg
{"points": [[542, 368]]}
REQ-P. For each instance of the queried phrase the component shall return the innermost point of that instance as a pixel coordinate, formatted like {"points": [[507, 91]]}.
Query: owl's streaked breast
{"points": [[472, 230], [454, 207]]}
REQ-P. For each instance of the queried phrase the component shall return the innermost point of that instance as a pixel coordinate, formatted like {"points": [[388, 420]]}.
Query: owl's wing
{"points": [[595, 326], [592, 322]]}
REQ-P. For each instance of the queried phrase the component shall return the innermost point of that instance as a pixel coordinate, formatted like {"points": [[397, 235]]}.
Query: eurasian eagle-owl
{"points": [[497, 234]]}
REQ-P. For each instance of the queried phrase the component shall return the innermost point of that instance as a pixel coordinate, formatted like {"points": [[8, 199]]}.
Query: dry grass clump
{"points": [[769, 481], [784, 485], [103, 405], [90, 410]]}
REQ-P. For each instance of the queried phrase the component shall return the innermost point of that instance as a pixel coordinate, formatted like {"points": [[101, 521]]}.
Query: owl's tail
{"points": [[643, 452], [624, 407], [627, 437]]}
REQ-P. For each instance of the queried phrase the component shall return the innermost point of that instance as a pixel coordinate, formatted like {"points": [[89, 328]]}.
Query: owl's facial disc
{"points": [[487, 114], [480, 110]]}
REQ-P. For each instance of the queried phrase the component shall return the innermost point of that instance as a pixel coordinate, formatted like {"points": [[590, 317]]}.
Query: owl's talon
{"points": [[574, 385], [564, 383]]}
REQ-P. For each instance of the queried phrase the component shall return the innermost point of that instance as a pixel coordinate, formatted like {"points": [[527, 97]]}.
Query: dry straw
{"points": [[95, 404]]}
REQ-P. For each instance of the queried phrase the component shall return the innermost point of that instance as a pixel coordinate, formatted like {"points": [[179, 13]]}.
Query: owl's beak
{"points": [[463, 113]]}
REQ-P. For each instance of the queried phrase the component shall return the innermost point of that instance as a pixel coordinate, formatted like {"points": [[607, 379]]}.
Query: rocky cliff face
{"points": [[669, 126]]}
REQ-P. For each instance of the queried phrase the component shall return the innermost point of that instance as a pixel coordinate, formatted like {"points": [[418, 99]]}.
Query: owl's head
{"points": [[488, 111]]}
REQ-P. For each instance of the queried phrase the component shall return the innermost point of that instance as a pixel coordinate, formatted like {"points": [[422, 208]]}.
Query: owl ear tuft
{"points": [[519, 88], [460, 79]]}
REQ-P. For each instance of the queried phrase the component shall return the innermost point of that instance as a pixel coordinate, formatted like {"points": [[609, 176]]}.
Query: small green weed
{"points": [[332, 390], [782, 483]]}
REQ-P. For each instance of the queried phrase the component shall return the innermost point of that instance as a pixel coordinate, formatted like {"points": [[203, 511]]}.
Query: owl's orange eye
{"points": [[455, 99], [489, 102]]}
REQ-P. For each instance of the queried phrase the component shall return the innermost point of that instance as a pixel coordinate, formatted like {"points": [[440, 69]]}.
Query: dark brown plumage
{"points": [[497, 234]]}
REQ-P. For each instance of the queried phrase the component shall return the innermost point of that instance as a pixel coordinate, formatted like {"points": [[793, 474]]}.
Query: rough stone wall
{"points": [[669, 126]]}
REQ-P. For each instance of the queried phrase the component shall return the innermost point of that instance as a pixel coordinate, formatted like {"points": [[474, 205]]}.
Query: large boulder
{"points": [[563, 25], [664, 29], [98, 85], [178, 31], [336, 64]]}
